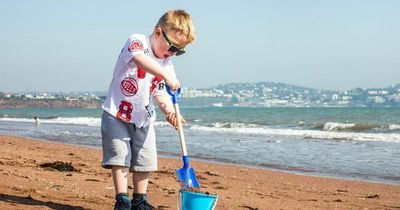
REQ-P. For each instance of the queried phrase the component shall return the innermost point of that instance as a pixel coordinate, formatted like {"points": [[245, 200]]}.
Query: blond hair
{"points": [[180, 22]]}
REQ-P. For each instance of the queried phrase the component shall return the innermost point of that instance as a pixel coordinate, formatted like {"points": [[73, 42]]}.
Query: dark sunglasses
{"points": [[172, 48]]}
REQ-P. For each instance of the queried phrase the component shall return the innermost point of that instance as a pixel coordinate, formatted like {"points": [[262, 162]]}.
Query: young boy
{"points": [[142, 70]]}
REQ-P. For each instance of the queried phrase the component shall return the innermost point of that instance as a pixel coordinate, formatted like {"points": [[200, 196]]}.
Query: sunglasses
{"points": [[172, 48]]}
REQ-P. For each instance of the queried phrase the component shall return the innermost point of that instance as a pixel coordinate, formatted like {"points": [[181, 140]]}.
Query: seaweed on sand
{"points": [[59, 166]]}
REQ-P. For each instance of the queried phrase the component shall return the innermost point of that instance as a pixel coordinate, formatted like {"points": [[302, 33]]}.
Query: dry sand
{"points": [[26, 185]]}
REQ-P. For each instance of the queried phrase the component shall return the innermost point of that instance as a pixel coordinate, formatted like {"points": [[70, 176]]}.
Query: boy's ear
{"points": [[157, 31]]}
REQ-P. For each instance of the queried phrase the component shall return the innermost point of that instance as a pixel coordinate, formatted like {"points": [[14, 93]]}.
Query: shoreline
{"points": [[176, 157], [23, 184]]}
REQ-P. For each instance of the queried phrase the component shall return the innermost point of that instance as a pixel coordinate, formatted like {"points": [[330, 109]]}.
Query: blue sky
{"points": [[59, 45]]}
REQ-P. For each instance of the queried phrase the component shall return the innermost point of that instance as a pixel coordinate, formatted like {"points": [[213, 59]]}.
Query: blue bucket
{"points": [[197, 201]]}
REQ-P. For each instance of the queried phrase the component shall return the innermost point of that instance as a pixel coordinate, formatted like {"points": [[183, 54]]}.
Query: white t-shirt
{"points": [[132, 89]]}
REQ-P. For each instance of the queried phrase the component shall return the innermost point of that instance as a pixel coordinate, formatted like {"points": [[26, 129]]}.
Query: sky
{"points": [[73, 45]]}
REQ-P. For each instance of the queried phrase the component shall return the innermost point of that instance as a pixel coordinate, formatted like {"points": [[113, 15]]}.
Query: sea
{"points": [[347, 143]]}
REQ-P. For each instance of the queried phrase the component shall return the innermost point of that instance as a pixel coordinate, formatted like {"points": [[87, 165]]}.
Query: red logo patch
{"points": [[135, 45], [129, 86], [141, 74]]}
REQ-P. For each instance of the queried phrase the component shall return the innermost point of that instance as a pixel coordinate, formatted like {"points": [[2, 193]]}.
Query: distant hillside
{"points": [[260, 94], [281, 94]]}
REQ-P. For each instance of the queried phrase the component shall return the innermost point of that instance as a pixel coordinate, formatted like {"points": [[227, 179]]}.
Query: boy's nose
{"points": [[168, 55]]}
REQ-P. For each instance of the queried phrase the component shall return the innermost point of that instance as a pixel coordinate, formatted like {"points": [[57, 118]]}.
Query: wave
{"points": [[89, 121], [332, 126], [306, 134], [346, 127], [328, 126], [335, 126]]}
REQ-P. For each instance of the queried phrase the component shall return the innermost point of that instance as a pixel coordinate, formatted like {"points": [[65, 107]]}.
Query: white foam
{"points": [[393, 127], [17, 119], [234, 125], [161, 123]]}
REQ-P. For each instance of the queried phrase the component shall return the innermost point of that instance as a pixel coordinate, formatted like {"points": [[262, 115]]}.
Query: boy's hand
{"points": [[171, 118], [172, 82]]}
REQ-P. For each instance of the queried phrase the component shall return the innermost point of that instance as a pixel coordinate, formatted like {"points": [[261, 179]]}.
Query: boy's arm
{"points": [[147, 64], [165, 105]]}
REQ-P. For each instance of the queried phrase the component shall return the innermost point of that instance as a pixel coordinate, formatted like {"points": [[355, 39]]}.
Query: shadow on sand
{"points": [[32, 202]]}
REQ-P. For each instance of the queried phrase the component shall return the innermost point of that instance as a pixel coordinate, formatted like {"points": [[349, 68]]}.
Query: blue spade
{"points": [[185, 174]]}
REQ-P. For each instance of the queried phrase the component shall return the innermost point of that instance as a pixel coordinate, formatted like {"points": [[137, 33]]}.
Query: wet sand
{"points": [[24, 184]]}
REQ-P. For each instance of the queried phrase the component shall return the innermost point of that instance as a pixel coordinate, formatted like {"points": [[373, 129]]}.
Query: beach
{"points": [[24, 184]]}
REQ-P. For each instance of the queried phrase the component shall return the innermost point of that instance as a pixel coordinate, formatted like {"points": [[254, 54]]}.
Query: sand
{"points": [[24, 184]]}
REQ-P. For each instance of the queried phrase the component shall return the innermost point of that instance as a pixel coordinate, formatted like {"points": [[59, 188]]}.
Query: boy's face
{"points": [[168, 43]]}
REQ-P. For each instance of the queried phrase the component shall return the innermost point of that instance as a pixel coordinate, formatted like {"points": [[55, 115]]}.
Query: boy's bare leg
{"points": [[120, 176], [140, 181]]}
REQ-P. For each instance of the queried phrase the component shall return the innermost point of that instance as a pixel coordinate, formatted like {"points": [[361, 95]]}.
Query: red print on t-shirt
{"points": [[135, 45], [129, 86], [154, 84], [141, 74]]}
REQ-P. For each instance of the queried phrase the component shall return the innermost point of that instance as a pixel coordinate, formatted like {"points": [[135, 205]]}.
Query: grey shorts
{"points": [[126, 145]]}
